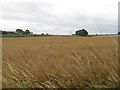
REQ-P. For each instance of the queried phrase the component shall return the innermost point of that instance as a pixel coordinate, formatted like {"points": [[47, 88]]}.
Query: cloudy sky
{"points": [[59, 16]]}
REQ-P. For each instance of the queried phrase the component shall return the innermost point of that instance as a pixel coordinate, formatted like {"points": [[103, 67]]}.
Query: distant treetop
{"points": [[82, 32], [20, 31]]}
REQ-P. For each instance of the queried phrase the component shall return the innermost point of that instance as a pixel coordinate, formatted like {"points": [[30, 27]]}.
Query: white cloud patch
{"points": [[59, 16]]}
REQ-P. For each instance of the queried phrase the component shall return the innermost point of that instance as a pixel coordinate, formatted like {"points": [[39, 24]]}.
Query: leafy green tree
{"points": [[27, 32], [47, 34], [82, 32], [42, 34], [19, 31]]}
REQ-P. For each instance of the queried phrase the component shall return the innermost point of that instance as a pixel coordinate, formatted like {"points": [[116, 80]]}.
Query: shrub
{"points": [[82, 32]]}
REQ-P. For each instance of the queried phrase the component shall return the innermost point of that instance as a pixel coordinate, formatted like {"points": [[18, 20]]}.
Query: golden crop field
{"points": [[60, 62]]}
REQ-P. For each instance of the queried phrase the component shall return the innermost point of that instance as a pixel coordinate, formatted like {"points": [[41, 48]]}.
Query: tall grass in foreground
{"points": [[92, 71]]}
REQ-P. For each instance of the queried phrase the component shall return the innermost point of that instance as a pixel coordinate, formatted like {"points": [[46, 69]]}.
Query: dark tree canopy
{"points": [[4, 32], [19, 31], [82, 32], [42, 34], [27, 32]]}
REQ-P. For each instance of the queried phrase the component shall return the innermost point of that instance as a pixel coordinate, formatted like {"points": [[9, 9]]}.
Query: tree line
{"points": [[81, 32], [18, 31]]}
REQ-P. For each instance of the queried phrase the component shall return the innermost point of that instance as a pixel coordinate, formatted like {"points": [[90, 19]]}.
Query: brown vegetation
{"points": [[51, 62]]}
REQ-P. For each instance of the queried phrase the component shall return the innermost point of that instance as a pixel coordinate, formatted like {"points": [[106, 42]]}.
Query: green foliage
{"points": [[19, 31], [47, 34], [82, 32], [42, 34], [15, 35], [27, 32], [36, 35]]}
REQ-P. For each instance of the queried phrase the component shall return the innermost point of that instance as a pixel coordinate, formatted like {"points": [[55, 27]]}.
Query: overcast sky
{"points": [[59, 16]]}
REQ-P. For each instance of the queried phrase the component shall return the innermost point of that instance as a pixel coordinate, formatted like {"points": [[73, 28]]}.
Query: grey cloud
{"points": [[26, 11], [39, 17]]}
